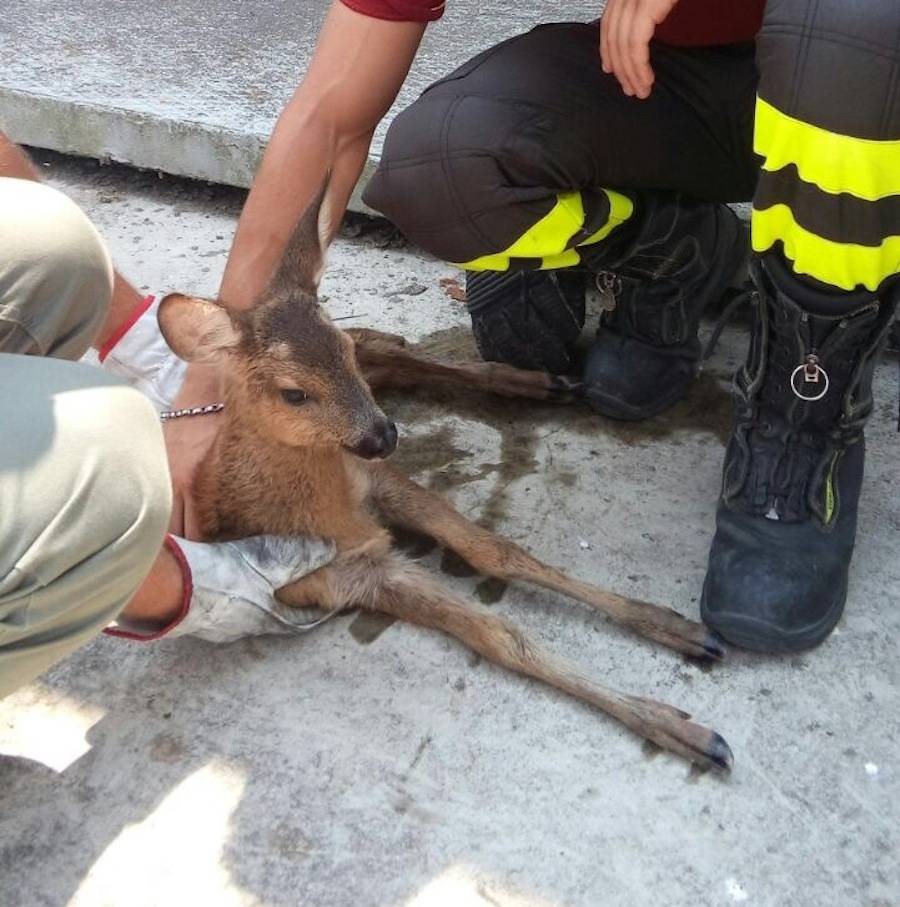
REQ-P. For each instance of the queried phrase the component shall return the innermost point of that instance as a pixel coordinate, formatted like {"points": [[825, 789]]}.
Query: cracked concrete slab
{"points": [[194, 88], [384, 765]]}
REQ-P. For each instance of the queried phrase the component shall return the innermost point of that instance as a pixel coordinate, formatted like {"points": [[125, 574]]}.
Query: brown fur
{"points": [[284, 469]]}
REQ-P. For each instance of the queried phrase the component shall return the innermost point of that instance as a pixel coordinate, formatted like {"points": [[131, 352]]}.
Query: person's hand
{"points": [[188, 440], [625, 32], [229, 589], [234, 584]]}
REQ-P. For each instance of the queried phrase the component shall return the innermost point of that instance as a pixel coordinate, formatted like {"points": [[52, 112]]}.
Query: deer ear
{"points": [[197, 330], [303, 261]]}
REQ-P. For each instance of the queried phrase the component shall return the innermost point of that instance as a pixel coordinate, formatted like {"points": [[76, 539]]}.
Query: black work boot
{"points": [[680, 259], [786, 522], [529, 319]]}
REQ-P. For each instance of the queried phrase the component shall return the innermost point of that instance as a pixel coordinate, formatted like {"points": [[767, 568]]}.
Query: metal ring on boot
{"points": [[805, 367]]}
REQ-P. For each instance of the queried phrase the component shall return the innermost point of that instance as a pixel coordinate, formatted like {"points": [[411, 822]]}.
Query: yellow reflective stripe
{"points": [[833, 162], [843, 265], [549, 237], [620, 209], [566, 259], [829, 492], [498, 262]]}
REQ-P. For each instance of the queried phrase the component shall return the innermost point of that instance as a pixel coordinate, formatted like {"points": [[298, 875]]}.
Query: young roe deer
{"points": [[301, 451]]}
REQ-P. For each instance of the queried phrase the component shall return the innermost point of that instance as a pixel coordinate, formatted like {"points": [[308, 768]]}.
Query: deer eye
{"points": [[293, 396]]}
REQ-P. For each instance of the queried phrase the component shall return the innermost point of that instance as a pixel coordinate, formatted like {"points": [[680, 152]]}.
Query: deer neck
{"points": [[251, 485]]}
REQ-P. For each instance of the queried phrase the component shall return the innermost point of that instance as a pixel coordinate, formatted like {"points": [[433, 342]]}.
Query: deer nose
{"points": [[379, 443]]}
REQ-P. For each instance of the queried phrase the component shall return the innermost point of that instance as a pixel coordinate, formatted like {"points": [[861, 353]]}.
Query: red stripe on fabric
{"points": [[187, 579], [398, 10], [123, 329]]}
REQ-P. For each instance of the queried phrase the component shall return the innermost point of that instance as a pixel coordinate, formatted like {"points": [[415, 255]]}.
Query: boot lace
{"points": [[643, 316], [793, 421], [739, 298]]}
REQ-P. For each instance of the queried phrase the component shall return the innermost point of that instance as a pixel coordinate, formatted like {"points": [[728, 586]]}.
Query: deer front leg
{"points": [[387, 362], [404, 503], [409, 594]]}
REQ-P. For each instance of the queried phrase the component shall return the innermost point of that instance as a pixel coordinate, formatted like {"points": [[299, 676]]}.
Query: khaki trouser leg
{"points": [[84, 486], [55, 273]]}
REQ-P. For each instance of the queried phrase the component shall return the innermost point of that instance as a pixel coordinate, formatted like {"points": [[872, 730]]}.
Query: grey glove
{"points": [[234, 584]]}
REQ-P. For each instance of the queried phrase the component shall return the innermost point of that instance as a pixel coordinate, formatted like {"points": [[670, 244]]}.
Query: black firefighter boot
{"points": [[679, 259], [529, 319], [786, 522]]}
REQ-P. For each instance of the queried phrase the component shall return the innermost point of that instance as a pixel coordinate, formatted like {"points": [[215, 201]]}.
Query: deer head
{"points": [[292, 375]]}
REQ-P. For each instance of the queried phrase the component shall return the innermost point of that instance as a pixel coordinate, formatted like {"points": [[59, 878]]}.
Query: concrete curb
{"points": [[180, 147]]}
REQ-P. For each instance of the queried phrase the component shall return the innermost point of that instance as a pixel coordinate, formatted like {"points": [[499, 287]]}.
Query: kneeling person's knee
{"points": [[126, 491], [55, 273], [443, 177], [134, 469], [85, 498]]}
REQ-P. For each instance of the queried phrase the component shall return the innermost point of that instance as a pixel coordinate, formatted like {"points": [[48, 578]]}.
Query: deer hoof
{"points": [[714, 646], [719, 754]]}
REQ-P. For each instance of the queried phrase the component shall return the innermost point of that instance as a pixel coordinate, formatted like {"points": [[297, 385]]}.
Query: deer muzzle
{"points": [[379, 442]]}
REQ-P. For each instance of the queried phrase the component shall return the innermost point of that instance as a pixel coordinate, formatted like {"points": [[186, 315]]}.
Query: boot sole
{"points": [[758, 636], [612, 408]]}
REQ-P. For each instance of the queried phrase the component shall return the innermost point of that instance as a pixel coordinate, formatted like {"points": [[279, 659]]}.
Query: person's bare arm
{"points": [[14, 162], [357, 69]]}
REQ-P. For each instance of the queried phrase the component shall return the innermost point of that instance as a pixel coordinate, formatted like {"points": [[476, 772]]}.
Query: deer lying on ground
{"points": [[301, 451]]}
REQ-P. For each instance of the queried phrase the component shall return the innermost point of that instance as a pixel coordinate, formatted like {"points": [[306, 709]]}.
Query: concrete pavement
{"points": [[355, 767]]}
